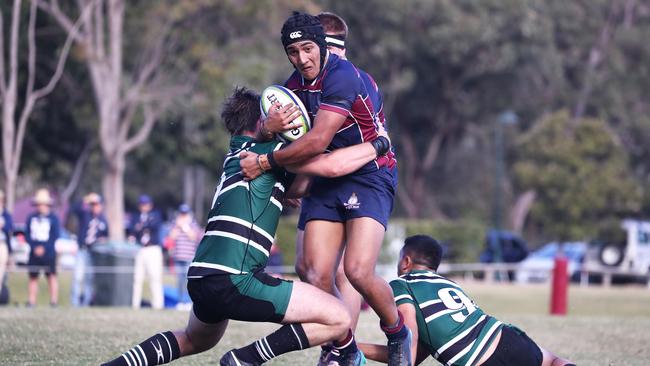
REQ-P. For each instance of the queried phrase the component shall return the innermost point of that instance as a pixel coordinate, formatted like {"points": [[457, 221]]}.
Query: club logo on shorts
{"points": [[353, 202], [294, 35]]}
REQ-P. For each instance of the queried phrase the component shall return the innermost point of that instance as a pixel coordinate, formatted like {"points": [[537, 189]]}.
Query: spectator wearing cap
{"points": [[41, 232], [144, 230], [185, 236], [93, 230], [6, 228]]}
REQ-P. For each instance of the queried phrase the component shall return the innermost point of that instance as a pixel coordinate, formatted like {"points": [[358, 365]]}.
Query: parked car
{"points": [[538, 266], [633, 254]]}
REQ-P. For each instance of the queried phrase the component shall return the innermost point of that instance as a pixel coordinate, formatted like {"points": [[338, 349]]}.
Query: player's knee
{"points": [[301, 270], [323, 281], [342, 321], [358, 275]]}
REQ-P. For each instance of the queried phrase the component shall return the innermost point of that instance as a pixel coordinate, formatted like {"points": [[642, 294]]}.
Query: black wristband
{"points": [[381, 145], [272, 162]]}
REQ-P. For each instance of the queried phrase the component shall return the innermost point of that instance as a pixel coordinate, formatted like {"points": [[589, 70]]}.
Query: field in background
{"points": [[604, 327]]}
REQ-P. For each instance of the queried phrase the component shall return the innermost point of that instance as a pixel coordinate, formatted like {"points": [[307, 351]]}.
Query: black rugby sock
{"points": [[157, 350], [288, 338]]}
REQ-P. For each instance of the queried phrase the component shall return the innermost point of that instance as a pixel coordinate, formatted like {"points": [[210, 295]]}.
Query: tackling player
{"points": [[352, 210], [447, 324], [226, 279]]}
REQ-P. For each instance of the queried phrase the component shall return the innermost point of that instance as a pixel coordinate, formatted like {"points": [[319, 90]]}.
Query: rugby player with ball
{"points": [[226, 279], [350, 212]]}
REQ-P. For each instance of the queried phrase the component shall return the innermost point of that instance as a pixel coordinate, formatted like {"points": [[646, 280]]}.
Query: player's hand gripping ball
{"points": [[276, 96]]}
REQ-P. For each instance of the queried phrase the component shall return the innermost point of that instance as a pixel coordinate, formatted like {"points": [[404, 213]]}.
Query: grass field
{"points": [[604, 327]]}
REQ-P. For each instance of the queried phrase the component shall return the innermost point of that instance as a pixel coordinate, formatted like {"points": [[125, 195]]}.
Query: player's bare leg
{"points": [[313, 317], [323, 316], [167, 346], [198, 336], [322, 247], [348, 294], [300, 266], [323, 243], [364, 240], [549, 359]]}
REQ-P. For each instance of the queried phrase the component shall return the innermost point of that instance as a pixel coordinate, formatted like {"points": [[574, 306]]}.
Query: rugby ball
{"points": [[284, 96]]}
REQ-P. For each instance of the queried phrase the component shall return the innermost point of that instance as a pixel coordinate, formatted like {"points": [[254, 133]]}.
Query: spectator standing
{"points": [[185, 234], [93, 229], [144, 230], [41, 232], [6, 229]]}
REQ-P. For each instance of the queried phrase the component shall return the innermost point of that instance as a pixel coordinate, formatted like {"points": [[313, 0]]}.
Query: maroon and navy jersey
{"points": [[342, 88]]}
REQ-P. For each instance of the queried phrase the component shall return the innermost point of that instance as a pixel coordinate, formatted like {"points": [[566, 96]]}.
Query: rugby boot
{"points": [[399, 349], [324, 352], [337, 358], [229, 359]]}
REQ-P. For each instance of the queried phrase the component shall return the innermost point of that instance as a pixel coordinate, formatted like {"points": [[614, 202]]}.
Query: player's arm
{"points": [[338, 163], [311, 144], [410, 320], [380, 353]]}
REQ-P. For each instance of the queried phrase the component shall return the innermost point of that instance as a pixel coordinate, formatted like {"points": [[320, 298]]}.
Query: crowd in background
{"points": [[145, 229]]}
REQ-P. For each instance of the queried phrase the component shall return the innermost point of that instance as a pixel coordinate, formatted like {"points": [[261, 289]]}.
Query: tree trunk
{"points": [[113, 187], [189, 183], [520, 210], [10, 190], [199, 197]]}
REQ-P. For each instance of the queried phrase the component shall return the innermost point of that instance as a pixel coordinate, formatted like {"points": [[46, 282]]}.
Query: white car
{"points": [[538, 266]]}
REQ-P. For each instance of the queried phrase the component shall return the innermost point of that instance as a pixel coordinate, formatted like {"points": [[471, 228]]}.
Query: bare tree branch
{"points": [[3, 82], [596, 56], [116, 35], [47, 89], [31, 51], [78, 170], [434, 148], [154, 58], [150, 117], [99, 39], [520, 210], [30, 96], [13, 46], [66, 23]]}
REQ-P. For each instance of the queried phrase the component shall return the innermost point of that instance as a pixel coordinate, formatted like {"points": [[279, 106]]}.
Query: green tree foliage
{"points": [[581, 178], [447, 69]]}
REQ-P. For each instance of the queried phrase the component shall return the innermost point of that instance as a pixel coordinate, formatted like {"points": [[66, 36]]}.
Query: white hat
{"points": [[42, 197]]}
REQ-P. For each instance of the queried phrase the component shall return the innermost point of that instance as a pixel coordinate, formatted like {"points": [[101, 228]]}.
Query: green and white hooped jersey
{"points": [[455, 330], [244, 216]]}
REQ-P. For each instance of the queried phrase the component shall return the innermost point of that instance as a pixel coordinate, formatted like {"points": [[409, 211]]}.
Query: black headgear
{"points": [[304, 27]]}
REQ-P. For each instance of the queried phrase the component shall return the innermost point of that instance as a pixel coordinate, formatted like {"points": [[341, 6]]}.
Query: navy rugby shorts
{"points": [[349, 197]]}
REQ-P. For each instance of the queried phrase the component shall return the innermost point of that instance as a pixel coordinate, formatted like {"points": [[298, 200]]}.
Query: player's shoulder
{"points": [[337, 67], [368, 79]]}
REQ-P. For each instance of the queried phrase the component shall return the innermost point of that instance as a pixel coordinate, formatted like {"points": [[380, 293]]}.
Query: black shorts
{"points": [[253, 297], [45, 262], [515, 348]]}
